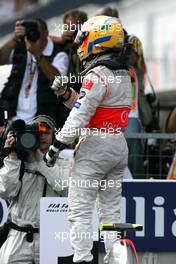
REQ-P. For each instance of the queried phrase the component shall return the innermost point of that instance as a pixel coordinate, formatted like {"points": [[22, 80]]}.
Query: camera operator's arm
{"points": [[6, 49], [66, 37], [59, 66], [49, 70], [10, 173]]}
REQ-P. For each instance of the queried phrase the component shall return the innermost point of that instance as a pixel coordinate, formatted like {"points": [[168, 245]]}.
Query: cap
{"points": [[45, 119]]}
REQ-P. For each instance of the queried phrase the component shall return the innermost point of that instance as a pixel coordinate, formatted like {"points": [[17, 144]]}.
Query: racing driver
{"points": [[99, 117]]}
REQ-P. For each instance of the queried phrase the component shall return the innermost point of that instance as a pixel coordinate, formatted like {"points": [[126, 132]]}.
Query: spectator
{"points": [[141, 113], [135, 126], [136, 60], [72, 22], [35, 63], [37, 180]]}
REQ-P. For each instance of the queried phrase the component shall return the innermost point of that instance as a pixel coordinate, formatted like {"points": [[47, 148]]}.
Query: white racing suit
{"points": [[25, 198], [100, 157]]}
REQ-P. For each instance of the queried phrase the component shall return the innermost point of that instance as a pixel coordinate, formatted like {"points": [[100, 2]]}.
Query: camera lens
{"points": [[32, 31], [28, 140], [33, 34]]}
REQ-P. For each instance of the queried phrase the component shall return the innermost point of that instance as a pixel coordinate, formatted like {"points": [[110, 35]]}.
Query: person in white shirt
{"points": [[24, 190]]}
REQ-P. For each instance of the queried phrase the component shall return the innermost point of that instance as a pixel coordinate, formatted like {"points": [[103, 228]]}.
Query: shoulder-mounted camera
{"points": [[27, 135]]}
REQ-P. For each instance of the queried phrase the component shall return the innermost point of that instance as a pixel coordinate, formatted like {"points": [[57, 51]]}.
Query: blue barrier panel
{"points": [[151, 203]]}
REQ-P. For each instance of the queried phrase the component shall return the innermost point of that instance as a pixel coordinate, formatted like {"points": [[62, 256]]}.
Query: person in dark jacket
{"points": [[36, 60]]}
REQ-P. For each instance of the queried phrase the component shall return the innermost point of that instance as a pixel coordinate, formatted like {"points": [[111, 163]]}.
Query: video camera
{"points": [[32, 31], [27, 135]]}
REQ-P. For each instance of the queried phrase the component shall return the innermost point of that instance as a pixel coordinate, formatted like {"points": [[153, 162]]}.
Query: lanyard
{"points": [[32, 68]]}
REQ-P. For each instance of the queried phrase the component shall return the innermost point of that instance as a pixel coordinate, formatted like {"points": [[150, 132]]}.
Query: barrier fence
{"points": [[151, 154]]}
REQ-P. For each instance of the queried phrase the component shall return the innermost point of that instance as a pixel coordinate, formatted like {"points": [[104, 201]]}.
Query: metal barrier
{"points": [[150, 154]]}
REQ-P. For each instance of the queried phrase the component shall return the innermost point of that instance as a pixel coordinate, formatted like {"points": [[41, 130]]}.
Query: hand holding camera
{"points": [[19, 31], [29, 31], [28, 28], [9, 144], [67, 36], [10, 140], [22, 136]]}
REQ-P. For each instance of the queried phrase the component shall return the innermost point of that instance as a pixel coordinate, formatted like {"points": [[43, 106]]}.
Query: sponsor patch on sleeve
{"points": [[77, 105], [87, 84]]}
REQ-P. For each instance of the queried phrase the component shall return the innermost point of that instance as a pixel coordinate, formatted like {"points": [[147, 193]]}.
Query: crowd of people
{"points": [[38, 92]]}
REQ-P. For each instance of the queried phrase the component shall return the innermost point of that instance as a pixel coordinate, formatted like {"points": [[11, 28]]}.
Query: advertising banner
{"points": [[54, 229], [150, 203]]}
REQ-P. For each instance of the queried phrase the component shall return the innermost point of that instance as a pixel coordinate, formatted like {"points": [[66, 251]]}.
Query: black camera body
{"points": [[32, 31], [27, 135], [28, 139]]}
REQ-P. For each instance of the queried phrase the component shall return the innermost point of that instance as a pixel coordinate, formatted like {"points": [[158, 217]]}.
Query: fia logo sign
{"points": [[57, 207]]}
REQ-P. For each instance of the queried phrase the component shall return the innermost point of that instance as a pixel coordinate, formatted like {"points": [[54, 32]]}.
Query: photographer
{"points": [[37, 180], [36, 60], [72, 22]]}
